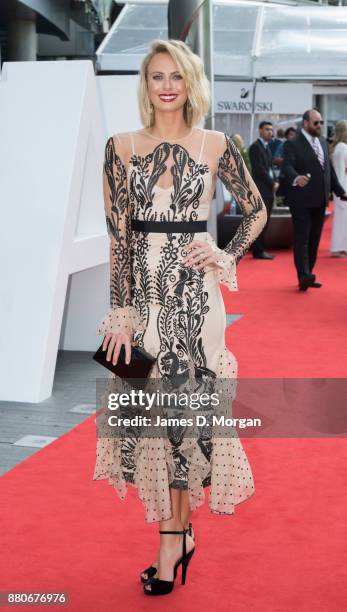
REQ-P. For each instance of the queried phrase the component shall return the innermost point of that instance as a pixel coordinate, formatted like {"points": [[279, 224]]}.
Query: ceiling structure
{"points": [[252, 39]]}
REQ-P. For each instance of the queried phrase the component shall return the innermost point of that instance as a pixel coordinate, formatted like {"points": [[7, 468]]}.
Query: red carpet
{"points": [[283, 550], [286, 332]]}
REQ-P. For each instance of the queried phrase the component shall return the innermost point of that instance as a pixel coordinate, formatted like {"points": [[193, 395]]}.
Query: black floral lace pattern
{"points": [[234, 174], [187, 187], [176, 312], [118, 226]]}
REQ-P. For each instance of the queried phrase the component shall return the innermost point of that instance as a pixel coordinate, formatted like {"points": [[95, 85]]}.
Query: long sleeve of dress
{"points": [[122, 316], [234, 174]]}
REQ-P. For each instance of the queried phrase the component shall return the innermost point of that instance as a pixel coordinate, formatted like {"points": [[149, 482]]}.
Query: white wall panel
{"points": [[53, 224]]}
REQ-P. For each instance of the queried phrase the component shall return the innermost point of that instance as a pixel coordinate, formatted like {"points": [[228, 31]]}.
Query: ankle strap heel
{"points": [[162, 587], [184, 551], [152, 570], [184, 560]]}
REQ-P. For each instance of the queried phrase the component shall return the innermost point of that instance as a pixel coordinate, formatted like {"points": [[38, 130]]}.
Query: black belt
{"points": [[166, 227]]}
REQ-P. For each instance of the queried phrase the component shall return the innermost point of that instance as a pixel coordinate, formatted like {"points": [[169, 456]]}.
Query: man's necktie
{"points": [[318, 151]]}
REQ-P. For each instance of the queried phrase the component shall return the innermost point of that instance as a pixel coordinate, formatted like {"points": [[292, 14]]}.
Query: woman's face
{"points": [[166, 87]]}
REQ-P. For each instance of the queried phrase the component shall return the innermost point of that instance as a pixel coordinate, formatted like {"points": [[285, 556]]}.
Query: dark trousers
{"points": [[258, 245], [308, 224]]}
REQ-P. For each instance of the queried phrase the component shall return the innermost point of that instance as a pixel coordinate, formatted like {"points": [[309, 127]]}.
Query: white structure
{"points": [[284, 39], [256, 43], [54, 121], [55, 118], [53, 129]]}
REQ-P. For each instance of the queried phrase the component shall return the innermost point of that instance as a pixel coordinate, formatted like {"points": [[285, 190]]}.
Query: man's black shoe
{"points": [[314, 283], [263, 255], [306, 281]]}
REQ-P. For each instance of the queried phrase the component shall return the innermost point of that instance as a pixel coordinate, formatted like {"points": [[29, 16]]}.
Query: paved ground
{"points": [[25, 428]]}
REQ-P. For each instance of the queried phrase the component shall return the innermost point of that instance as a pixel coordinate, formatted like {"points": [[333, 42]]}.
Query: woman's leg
{"points": [[171, 544], [185, 509], [172, 524], [184, 512]]}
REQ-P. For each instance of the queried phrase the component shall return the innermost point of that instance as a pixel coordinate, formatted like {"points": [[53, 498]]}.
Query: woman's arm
{"points": [[339, 160], [233, 172], [122, 316]]}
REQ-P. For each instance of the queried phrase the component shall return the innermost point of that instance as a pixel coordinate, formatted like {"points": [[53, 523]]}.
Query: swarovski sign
{"points": [[272, 98]]}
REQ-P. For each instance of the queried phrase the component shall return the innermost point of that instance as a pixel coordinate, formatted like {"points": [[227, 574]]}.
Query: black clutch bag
{"points": [[141, 363]]}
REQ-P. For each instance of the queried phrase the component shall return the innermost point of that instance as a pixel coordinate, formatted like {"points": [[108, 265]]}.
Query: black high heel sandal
{"points": [[151, 570], [164, 587]]}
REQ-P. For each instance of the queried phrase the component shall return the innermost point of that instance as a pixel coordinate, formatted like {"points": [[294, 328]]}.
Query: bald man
{"points": [[310, 178]]}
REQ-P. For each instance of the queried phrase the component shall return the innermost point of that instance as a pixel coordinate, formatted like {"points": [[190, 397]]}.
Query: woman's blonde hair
{"points": [[340, 134], [192, 70], [238, 141]]}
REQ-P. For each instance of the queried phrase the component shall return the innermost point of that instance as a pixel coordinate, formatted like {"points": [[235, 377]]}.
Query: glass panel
{"points": [[137, 27], [144, 16], [337, 107], [288, 18], [328, 41], [325, 18], [234, 17], [304, 42], [233, 43], [285, 41], [294, 40], [133, 41]]}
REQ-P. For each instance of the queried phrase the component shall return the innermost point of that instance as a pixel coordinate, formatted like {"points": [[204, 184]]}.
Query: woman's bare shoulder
{"points": [[121, 142], [216, 134], [217, 140], [119, 136]]}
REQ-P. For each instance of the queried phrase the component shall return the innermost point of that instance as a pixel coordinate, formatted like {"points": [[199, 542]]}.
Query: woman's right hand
{"points": [[113, 342]]}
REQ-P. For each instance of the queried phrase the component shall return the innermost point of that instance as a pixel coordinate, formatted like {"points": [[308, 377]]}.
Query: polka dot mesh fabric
{"points": [[120, 320], [226, 271], [173, 311]]}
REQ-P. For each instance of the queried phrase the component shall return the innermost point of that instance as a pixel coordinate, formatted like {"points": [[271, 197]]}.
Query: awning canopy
{"points": [[251, 40]]}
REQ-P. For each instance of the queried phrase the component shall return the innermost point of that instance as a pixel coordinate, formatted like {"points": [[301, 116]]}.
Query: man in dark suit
{"points": [[309, 177], [264, 178]]}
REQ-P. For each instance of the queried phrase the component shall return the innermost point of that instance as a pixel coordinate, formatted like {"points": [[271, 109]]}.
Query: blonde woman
{"points": [[239, 143], [338, 245], [159, 182]]}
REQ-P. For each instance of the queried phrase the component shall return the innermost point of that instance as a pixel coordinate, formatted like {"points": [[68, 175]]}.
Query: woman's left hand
{"points": [[200, 254]]}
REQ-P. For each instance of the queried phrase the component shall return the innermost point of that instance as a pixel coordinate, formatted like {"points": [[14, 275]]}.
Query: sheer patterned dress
{"points": [[174, 311]]}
